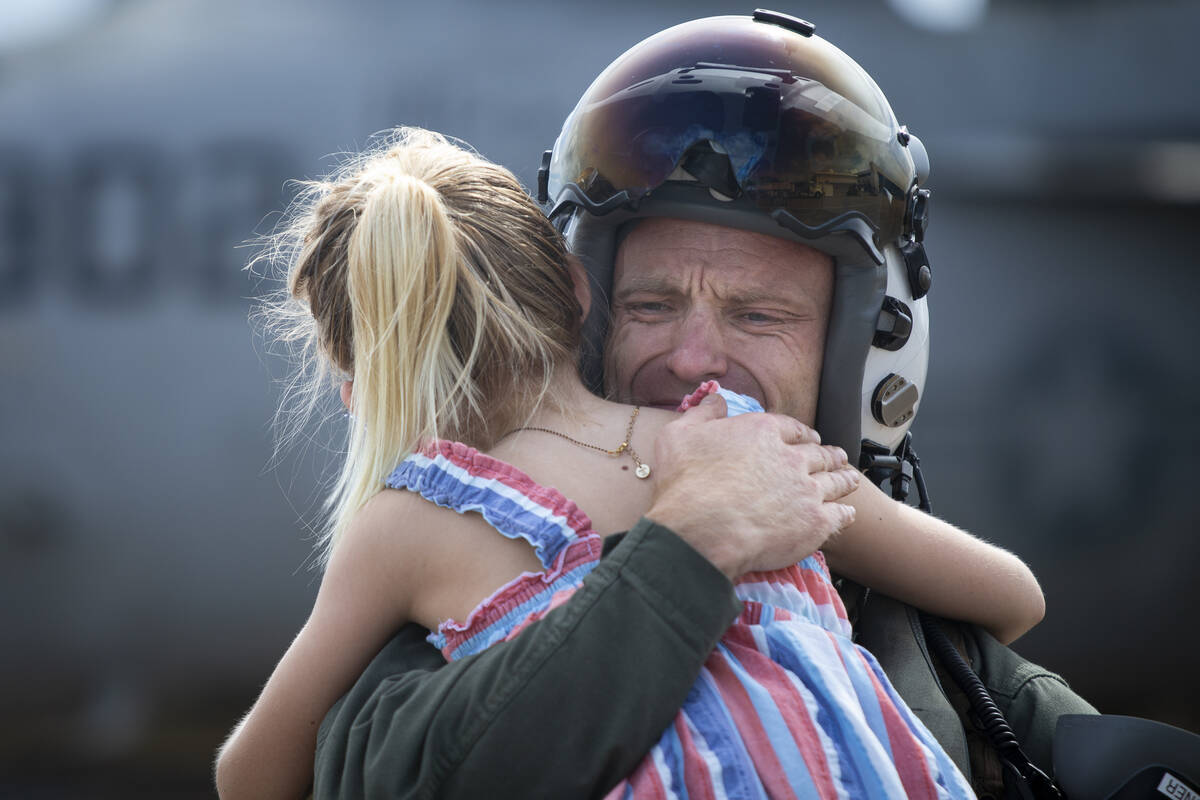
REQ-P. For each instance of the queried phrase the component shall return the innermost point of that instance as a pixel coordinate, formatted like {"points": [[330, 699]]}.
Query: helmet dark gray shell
{"points": [[756, 125]]}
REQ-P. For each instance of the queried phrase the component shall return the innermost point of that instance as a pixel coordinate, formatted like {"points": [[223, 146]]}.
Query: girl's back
{"points": [[462, 559]]}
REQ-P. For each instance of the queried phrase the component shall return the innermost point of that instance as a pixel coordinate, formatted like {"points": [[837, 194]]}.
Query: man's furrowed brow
{"points": [[754, 297], [645, 284], [739, 296]]}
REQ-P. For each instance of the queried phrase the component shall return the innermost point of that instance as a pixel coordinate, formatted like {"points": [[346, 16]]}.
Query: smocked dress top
{"points": [[785, 706]]}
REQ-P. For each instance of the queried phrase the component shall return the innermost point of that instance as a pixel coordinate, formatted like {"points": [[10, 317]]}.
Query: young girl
{"points": [[429, 276]]}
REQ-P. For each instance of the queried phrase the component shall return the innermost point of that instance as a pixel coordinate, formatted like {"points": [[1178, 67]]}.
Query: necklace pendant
{"points": [[642, 471]]}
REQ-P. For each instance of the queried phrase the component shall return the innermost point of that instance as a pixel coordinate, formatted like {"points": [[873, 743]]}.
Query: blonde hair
{"points": [[428, 275]]}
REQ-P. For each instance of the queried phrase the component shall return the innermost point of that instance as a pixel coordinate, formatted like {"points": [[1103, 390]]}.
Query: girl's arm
{"points": [[363, 600], [930, 564]]}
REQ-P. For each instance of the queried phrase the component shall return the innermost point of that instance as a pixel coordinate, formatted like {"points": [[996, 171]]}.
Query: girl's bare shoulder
{"points": [[400, 535], [448, 561], [401, 526], [397, 517]]}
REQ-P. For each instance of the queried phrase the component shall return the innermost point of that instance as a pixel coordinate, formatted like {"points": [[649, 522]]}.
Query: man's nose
{"points": [[698, 353]]}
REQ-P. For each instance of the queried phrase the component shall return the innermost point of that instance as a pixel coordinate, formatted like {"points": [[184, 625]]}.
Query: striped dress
{"points": [[785, 706]]}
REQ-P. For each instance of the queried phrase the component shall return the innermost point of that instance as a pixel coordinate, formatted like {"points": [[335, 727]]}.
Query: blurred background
{"points": [[153, 553]]}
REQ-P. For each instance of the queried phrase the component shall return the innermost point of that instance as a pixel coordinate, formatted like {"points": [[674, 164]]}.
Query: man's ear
{"points": [[347, 391], [583, 287]]}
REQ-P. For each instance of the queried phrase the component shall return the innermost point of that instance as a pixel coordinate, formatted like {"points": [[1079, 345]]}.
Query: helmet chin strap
{"points": [[900, 469]]}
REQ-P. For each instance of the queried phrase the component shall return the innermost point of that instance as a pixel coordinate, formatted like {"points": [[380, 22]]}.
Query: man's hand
{"points": [[751, 492]]}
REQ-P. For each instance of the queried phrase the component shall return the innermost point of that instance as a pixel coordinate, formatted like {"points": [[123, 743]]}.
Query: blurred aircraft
{"points": [[153, 551]]}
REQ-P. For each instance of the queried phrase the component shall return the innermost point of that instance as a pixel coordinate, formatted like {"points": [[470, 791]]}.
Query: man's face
{"points": [[693, 302]]}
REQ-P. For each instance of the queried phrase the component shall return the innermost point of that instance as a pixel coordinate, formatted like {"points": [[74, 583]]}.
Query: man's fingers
{"points": [[841, 515], [837, 483], [796, 432], [826, 458]]}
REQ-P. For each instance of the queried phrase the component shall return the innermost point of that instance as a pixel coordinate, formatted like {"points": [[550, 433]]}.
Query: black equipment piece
{"points": [[1124, 758]]}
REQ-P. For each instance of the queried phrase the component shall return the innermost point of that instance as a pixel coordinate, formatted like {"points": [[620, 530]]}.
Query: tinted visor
{"points": [[804, 128]]}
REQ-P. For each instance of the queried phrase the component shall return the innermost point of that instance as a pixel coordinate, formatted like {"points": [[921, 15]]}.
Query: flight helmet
{"points": [[756, 123]]}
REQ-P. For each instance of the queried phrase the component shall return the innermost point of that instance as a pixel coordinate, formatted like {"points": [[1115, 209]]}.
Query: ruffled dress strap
{"points": [[457, 476]]}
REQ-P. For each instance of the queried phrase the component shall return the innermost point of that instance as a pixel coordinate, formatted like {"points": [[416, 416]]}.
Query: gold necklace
{"points": [[641, 469]]}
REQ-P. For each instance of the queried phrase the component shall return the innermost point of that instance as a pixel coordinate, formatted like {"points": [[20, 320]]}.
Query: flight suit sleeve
{"points": [[565, 709]]}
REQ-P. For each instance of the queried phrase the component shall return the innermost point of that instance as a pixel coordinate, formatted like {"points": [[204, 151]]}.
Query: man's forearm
{"points": [[567, 708]]}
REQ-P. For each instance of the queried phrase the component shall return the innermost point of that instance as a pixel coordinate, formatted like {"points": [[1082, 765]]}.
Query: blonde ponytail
{"points": [[429, 276]]}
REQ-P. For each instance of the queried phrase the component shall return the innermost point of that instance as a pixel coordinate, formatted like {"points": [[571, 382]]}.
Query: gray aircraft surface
{"points": [[154, 551]]}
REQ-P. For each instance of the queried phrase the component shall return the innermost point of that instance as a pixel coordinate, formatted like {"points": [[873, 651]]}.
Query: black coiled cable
{"points": [[1032, 782], [990, 718]]}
